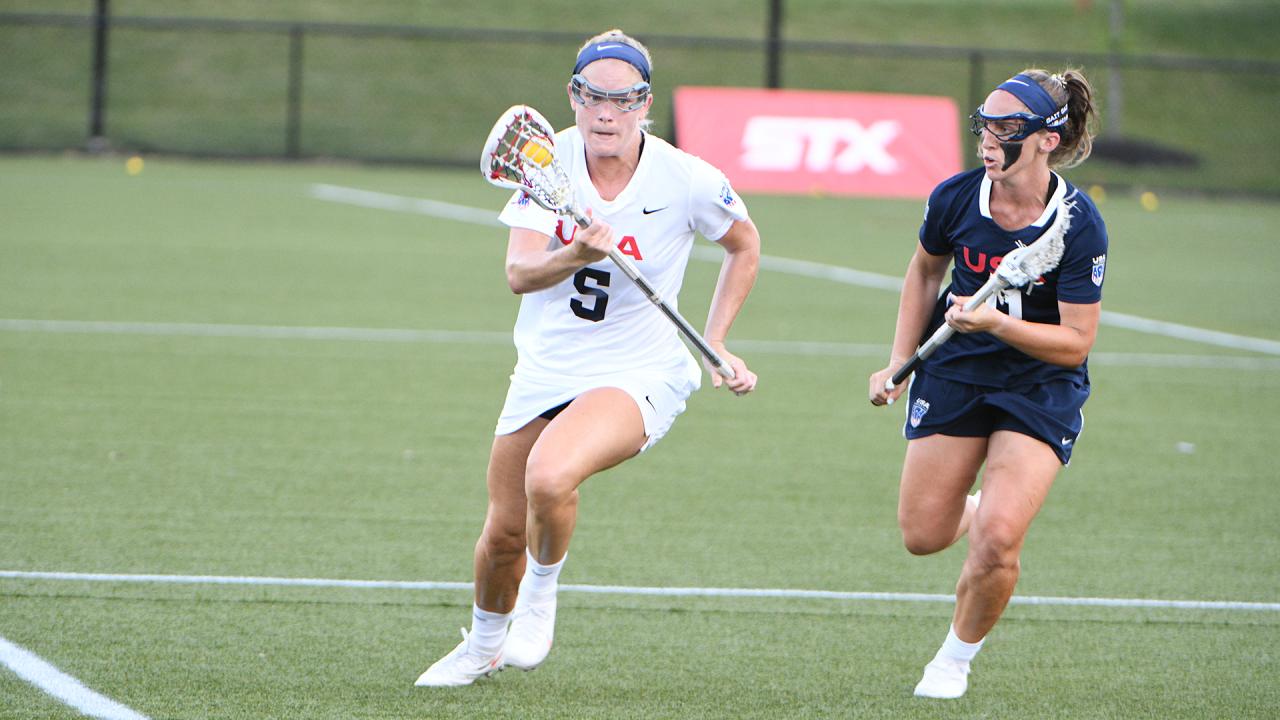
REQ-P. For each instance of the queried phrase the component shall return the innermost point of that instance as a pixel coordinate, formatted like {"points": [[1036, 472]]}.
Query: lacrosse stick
{"points": [[520, 155], [1018, 268]]}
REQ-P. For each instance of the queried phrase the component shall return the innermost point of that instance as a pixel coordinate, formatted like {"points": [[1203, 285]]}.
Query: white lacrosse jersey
{"points": [[597, 322]]}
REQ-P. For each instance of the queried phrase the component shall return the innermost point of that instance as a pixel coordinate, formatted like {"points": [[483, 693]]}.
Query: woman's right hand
{"points": [[878, 395], [592, 244]]}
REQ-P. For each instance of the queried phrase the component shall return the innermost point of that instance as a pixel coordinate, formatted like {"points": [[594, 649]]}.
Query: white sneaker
{"points": [[462, 666], [944, 678], [533, 626]]}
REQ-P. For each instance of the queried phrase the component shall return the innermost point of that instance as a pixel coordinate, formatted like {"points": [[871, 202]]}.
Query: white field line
{"points": [[1186, 332], [35, 670], [804, 268], [400, 203], [630, 590], [269, 332], [478, 337]]}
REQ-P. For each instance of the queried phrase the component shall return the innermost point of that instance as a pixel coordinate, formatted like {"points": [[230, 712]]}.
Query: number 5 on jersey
{"points": [[595, 313]]}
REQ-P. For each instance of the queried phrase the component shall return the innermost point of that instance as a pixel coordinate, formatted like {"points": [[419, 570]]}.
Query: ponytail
{"points": [[1070, 87]]}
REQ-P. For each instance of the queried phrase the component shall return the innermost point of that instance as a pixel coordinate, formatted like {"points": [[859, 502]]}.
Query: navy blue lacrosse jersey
{"points": [[958, 222]]}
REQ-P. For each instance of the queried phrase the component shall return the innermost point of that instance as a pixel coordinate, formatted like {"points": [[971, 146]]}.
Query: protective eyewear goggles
{"points": [[1005, 128], [626, 100], [1014, 126]]}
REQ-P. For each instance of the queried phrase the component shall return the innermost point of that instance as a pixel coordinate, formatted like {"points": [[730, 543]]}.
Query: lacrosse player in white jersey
{"points": [[1007, 390], [601, 373]]}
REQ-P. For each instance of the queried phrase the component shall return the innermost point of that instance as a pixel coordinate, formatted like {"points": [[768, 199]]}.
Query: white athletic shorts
{"points": [[659, 395]]}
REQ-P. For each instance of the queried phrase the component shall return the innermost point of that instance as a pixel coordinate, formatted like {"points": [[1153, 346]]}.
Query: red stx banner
{"points": [[801, 141]]}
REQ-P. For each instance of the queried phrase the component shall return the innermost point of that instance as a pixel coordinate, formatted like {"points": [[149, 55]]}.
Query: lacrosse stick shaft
{"points": [[630, 270], [1038, 258], [993, 285]]}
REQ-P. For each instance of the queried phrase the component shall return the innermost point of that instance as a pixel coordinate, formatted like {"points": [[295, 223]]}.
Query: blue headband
{"points": [[615, 50], [1036, 98]]}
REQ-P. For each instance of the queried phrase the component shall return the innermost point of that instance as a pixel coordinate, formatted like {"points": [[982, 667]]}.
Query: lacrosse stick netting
{"points": [[1016, 269], [520, 155]]}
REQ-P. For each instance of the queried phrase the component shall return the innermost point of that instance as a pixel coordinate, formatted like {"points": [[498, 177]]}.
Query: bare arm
{"points": [[920, 287], [1066, 344], [531, 266], [737, 276]]}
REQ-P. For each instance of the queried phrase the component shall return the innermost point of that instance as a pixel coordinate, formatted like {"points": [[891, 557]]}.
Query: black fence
{"points": [[210, 87]]}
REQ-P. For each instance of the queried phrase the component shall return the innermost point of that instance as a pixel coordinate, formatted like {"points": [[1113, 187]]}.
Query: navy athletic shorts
{"points": [[1049, 411]]}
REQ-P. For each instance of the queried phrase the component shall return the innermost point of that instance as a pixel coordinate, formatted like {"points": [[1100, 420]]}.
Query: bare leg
{"points": [[970, 509], [499, 557], [1020, 470], [600, 429], [499, 562], [936, 477]]}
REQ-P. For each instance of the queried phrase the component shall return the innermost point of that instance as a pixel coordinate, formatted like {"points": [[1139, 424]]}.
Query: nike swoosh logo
{"points": [[647, 211], [646, 399], [1066, 441], [606, 47]]}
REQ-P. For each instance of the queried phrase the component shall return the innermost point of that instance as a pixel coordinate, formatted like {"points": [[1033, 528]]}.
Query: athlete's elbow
{"points": [[1072, 358], [1072, 354], [517, 282]]}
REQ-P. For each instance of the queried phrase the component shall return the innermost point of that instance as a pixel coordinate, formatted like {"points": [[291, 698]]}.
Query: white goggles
{"points": [[626, 100]]}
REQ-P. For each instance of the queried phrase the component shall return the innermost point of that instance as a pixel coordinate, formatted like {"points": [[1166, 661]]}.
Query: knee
{"points": [[920, 539], [548, 486], [922, 544], [501, 542], [995, 547]]}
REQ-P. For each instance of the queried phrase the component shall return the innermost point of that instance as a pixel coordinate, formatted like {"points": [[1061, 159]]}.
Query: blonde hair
{"points": [[1070, 88], [616, 35]]}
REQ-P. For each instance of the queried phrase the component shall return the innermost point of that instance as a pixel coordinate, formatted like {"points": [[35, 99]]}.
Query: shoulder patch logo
{"points": [[726, 195], [1099, 269]]}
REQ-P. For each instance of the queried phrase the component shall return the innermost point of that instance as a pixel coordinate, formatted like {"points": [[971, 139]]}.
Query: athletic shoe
{"points": [[463, 666], [532, 627], [944, 678]]}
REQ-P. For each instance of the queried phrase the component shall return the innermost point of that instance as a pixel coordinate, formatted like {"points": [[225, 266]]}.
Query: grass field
{"points": [[224, 446]]}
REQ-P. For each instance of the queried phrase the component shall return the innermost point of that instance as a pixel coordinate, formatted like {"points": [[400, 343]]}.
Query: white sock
{"points": [[488, 630], [541, 581], [956, 649]]}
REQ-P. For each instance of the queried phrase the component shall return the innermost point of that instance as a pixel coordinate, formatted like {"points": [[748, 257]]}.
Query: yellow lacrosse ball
{"points": [[536, 153], [133, 165]]}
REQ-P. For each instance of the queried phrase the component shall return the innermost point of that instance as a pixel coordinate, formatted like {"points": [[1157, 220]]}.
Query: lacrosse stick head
{"points": [[1050, 246], [1025, 264], [520, 155]]}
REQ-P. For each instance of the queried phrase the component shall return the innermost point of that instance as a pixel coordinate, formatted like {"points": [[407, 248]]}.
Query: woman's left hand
{"points": [[744, 380]]}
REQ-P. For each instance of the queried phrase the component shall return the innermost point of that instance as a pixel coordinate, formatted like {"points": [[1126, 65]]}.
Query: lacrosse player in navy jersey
{"points": [[601, 373], [1008, 388]]}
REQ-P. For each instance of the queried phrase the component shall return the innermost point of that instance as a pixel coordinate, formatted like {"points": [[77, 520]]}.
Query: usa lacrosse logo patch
{"points": [[918, 409], [726, 195], [1099, 269]]}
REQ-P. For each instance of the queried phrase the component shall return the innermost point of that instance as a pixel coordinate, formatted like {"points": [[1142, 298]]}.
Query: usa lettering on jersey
{"points": [[627, 245]]}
